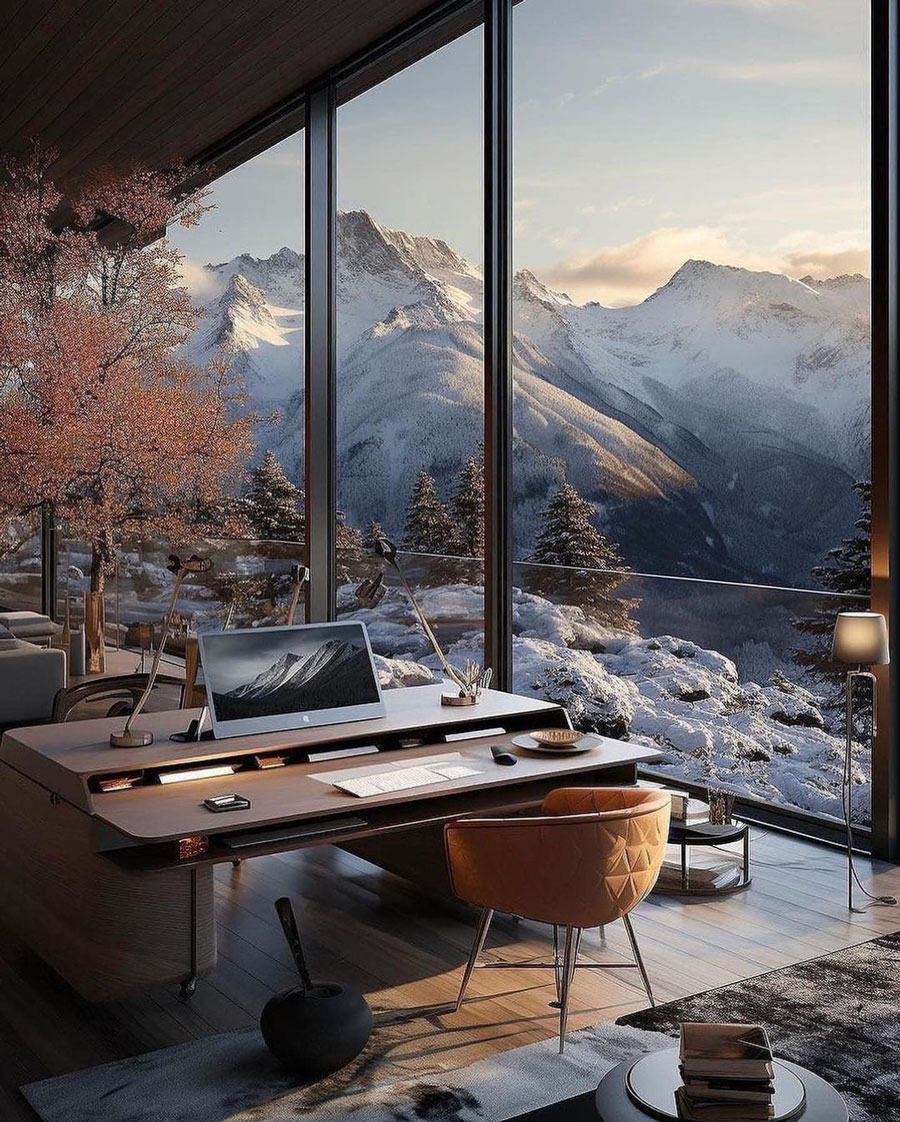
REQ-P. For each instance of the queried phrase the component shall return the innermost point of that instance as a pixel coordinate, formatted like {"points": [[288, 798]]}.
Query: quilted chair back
{"points": [[590, 857]]}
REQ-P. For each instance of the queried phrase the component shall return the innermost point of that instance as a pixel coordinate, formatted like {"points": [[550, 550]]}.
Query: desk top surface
{"points": [[82, 747], [63, 758], [154, 814]]}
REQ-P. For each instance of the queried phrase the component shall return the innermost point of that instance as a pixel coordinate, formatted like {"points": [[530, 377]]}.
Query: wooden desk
{"points": [[91, 879]]}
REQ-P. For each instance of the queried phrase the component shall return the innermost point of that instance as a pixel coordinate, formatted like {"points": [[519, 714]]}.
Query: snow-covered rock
{"points": [[396, 672], [597, 701]]}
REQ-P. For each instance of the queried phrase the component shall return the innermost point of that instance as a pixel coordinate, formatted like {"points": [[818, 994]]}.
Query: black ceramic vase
{"points": [[314, 1028]]}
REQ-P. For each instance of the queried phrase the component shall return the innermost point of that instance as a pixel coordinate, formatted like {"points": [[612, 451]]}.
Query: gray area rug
{"points": [[838, 1015], [231, 1078]]}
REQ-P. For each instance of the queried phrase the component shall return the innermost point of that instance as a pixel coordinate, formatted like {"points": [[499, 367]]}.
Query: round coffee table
{"points": [[614, 1104], [732, 874]]}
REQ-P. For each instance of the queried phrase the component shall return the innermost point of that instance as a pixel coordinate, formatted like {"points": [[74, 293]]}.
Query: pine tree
{"points": [[847, 572], [274, 505], [467, 508], [374, 532], [575, 563], [428, 527]]}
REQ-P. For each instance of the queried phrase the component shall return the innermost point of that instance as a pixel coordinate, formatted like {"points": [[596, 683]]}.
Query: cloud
{"points": [[620, 79], [626, 274], [808, 71], [795, 72], [806, 252], [202, 284]]}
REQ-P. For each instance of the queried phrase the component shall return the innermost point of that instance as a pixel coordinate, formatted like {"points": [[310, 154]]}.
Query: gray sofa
{"points": [[30, 677]]}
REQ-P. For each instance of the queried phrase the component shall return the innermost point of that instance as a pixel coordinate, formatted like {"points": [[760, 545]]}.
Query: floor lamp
{"points": [[860, 639]]}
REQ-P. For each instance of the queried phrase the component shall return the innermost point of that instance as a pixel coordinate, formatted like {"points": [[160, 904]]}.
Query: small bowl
{"points": [[556, 738]]}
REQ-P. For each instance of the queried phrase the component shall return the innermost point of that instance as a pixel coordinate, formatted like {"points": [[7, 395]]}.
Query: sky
{"points": [[646, 132]]}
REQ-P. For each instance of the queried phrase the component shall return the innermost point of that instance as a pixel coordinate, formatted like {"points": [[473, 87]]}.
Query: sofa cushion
{"points": [[29, 625]]}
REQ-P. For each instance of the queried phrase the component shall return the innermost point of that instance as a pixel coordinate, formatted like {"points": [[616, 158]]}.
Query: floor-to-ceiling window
{"points": [[410, 397], [692, 378], [691, 429]]}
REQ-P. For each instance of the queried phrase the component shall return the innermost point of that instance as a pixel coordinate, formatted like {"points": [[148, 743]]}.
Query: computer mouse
{"points": [[501, 756]]}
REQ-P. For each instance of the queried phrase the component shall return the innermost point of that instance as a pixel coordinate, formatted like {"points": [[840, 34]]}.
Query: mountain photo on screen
{"points": [[267, 673]]}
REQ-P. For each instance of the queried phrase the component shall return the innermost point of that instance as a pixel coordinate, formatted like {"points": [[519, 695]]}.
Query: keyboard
{"points": [[402, 779]]}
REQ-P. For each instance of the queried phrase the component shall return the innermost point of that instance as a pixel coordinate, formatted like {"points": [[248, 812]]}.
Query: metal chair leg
{"points": [[638, 961], [570, 956], [557, 965], [480, 935]]}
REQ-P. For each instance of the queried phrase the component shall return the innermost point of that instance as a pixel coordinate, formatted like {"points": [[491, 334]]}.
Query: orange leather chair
{"points": [[590, 857]]}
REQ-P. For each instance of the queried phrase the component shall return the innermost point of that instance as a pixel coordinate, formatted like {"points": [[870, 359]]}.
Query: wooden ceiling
{"points": [[105, 81]]}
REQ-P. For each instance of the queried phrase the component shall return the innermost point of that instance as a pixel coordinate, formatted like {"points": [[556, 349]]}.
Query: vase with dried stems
{"points": [[470, 681]]}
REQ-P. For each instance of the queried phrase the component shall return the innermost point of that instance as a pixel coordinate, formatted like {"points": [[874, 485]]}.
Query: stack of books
{"points": [[727, 1072]]}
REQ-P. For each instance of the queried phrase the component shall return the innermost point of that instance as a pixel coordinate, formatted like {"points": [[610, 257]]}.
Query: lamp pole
{"points": [[860, 639]]}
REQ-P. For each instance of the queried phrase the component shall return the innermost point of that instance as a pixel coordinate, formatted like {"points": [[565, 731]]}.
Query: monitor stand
{"points": [[192, 733]]}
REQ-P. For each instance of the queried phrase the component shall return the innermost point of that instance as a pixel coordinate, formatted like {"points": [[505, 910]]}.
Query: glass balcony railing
{"points": [[732, 683], [20, 565], [249, 584], [449, 590]]}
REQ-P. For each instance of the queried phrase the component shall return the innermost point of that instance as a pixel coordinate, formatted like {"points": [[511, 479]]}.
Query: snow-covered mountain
{"points": [[296, 670], [716, 426], [336, 673]]}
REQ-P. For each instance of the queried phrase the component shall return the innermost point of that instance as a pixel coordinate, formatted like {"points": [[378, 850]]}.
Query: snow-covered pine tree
{"points": [[588, 566], [428, 527], [274, 505], [467, 508], [348, 542], [846, 571]]}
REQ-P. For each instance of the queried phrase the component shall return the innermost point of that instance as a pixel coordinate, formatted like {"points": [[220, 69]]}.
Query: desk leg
{"points": [[685, 873], [189, 985], [747, 856]]}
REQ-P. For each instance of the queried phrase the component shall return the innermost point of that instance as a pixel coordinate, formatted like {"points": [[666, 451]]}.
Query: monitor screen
{"points": [[263, 679]]}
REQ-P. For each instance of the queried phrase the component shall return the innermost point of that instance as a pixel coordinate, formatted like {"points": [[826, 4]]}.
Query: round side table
{"points": [[823, 1103], [732, 874]]}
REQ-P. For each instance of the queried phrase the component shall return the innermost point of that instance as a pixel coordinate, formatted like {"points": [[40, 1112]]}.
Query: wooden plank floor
{"points": [[404, 949]]}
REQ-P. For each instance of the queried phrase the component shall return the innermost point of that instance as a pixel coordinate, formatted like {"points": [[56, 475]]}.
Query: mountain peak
{"points": [[365, 246], [286, 258], [704, 282], [240, 291], [526, 286]]}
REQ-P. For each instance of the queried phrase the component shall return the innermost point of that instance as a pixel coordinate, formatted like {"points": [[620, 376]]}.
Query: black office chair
{"points": [[122, 690]]}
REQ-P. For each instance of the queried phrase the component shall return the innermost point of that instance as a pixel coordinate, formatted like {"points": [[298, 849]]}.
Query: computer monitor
{"points": [[265, 679]]}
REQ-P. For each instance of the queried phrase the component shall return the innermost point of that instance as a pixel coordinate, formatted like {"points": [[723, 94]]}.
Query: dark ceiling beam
{"points": [[109, 81]]}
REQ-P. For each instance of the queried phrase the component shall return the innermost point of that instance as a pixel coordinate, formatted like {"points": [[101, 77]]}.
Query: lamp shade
{"points": [[861, 638]]}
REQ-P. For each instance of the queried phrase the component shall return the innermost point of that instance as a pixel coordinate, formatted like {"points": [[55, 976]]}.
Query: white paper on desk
{"points": [[400, 779], [362, 770], [454, 772]]}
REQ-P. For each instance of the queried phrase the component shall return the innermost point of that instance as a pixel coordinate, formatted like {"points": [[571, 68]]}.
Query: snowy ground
{"points": [[775, 740]]}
